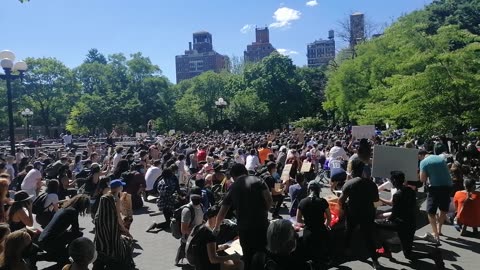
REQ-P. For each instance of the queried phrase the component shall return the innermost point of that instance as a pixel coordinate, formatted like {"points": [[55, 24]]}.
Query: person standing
{"points": [[434, 172], [251, 199], [252, 162], [361, 194], [117, 157]]}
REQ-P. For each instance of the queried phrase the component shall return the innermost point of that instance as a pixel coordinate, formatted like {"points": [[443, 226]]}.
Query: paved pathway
{"points": [[157, 251]]}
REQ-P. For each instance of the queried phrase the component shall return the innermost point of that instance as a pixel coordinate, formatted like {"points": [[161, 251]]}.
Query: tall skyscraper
{"points": [[321, 52], [199, 58], [357, 28], [261, 48]]}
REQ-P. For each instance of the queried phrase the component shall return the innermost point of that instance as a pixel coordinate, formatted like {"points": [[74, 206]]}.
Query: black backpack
{"points": [[38, 205], [176, 221], [193, 246]]}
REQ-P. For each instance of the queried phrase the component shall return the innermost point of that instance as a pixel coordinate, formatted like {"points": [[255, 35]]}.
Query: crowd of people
{"points": [[214, 189]]}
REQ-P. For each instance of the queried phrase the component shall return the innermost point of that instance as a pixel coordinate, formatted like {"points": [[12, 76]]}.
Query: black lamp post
{"points": [[6, 62], [27, 113]]}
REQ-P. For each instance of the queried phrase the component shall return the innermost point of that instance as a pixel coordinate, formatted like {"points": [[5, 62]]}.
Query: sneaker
{"points": [[376, 265], [430, 238]]}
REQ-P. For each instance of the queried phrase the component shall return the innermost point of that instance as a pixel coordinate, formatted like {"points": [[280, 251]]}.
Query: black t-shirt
{"points": [[362, 193], [404, 206], [205, 236], [246, 197], [313, 211], [269, 180], [61, 221]]}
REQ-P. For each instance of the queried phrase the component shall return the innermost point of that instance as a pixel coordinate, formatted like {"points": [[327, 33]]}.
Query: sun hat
{"points": [[22, 196]]}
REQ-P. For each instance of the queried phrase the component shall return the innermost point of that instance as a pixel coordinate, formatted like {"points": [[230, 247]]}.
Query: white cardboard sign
{"points": [[387, 159], [363, 132]]}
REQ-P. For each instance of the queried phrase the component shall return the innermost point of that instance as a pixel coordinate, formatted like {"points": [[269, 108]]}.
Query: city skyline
{"points": [[66, 30]]}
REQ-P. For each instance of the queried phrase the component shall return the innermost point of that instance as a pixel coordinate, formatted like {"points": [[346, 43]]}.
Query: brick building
{"points": [[261, 48], [321, 52], [199, 58]]}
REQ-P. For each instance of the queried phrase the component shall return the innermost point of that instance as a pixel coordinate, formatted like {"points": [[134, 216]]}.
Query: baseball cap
{"points": [[195, 192], [116, 183], [314, 185]]}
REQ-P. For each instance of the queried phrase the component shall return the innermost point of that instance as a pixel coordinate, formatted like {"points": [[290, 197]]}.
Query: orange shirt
{"points": [[263, 155], [470, 215]]}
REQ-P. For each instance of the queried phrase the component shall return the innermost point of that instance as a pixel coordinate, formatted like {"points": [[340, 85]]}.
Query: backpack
{"points": [[176, 221], [38, 205], [193, 246]]}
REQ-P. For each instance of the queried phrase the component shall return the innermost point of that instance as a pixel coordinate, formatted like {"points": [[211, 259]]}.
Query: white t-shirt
{"points": [[116, 158], [50, 201], [252, 163], [153, 173], [67, 139], [31, 180]]}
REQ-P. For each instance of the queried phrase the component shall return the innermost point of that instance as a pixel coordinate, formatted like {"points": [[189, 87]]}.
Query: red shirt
{"points": [[201, 156]]}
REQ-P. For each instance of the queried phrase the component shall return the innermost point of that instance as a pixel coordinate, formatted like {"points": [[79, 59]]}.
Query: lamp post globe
{"points": [[7, 59]]}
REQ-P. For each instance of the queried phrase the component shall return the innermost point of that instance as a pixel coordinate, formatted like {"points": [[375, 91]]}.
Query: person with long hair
{"points": [[16, 244], [3, 198], [57, 236], [18, 218], [114, 250], [4, 232]]}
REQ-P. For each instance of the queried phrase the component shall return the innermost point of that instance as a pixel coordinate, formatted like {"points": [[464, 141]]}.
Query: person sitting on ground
{"points": [[207, 257], [297, 193], [16, 244], [312, 211], [20, 213], [51, 204], [189, 220], [82, 253], [281, 244], [114, 250], [57, 236], [4, 232], [467, 205]]}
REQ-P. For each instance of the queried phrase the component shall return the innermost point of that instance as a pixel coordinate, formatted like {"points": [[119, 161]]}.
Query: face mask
{"points": [[196, 201]]}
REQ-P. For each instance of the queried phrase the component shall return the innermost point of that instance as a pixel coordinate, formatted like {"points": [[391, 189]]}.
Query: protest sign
{"points": [[363, 132], [286, 173], [278, 187], [235, 247], [387, 159], [306, 166]]}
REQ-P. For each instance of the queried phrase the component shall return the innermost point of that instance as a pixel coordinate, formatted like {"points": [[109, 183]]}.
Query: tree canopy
{"points": [[422, 74]]}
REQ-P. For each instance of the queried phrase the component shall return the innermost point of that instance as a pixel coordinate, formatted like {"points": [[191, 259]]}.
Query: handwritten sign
{"points": [[306, 166], [363, 132], [286, 173]]}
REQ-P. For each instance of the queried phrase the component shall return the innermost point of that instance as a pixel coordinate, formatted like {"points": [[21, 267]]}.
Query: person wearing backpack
{"points": [[202, 247], [192, 215], [46, 205]]}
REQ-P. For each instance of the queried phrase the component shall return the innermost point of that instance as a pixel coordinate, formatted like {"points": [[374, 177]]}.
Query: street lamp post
{"points": [[221, 104], [6, 62], [27, 113]]}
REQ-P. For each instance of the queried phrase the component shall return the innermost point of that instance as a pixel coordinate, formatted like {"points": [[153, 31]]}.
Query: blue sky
{"points": [[161, 29]]}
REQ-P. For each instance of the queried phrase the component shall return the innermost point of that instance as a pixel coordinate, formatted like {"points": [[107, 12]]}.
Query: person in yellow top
{"points": [[263, 153]]}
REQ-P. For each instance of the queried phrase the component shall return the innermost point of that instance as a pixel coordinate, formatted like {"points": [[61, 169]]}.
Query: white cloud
{"points": [[312, 3], [286, 52], [247, 28], [284, 17]]}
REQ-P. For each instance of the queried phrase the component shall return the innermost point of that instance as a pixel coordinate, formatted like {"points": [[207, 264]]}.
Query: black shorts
{"points": [[438, 198], [339, 177]]}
